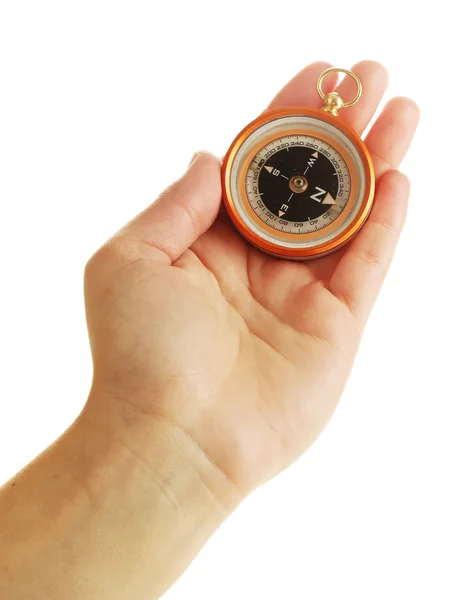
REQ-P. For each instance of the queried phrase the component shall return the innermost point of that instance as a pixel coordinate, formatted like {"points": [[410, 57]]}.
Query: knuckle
{"points": [[186, 202], [368, 256], [384, 224], [116, 253]]}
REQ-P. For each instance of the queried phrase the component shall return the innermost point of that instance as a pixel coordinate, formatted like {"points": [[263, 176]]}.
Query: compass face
{"points": [[298, 185], [303, 181]]}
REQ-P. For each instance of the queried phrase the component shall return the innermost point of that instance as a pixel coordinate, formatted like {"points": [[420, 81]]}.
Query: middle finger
{"points": [[374, 78]]}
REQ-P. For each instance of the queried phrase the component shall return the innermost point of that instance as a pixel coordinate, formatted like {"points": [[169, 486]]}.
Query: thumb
{"points": [[183, 212]]}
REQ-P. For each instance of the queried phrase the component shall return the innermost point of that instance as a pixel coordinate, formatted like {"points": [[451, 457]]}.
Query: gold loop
{"points": [[347, 72]]}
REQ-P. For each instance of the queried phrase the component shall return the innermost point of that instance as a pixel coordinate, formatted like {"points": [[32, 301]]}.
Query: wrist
{"points": [[169, 497], [161, 451]]}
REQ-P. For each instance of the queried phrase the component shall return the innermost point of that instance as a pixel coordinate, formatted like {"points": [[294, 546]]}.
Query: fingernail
{"points": [[195, 155]]}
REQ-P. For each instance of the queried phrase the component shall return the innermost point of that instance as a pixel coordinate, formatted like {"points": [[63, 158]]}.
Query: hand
{"points": [[215, 366], [247, 354]]}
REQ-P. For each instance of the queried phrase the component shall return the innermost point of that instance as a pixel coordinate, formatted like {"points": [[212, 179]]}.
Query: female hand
{"points": [[243, 353], [215, 366]]}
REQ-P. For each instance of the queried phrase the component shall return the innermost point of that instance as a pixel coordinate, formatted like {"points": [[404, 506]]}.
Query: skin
{"points": [[215, 367]]}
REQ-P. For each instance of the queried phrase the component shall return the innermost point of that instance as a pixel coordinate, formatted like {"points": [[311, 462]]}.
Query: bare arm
{"points": [[93, 518]]}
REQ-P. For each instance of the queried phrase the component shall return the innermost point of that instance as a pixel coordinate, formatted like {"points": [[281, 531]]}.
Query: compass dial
{"points": [[303, 181], [298, 185]]}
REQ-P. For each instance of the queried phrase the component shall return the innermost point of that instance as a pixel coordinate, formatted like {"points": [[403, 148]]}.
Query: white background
{"points": [[101, 106]]}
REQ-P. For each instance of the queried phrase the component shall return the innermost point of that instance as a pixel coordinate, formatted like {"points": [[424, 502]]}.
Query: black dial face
{"points": [[298, 183]]}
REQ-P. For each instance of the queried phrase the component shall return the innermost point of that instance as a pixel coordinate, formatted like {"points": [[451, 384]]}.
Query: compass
{"points": [[298, 183]]}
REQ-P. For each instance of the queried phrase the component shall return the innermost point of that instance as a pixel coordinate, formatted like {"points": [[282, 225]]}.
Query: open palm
{"points": [[246, 353]]}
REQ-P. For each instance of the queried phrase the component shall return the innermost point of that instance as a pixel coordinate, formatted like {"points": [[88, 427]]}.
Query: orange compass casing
{"points": [[356, 220]]}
